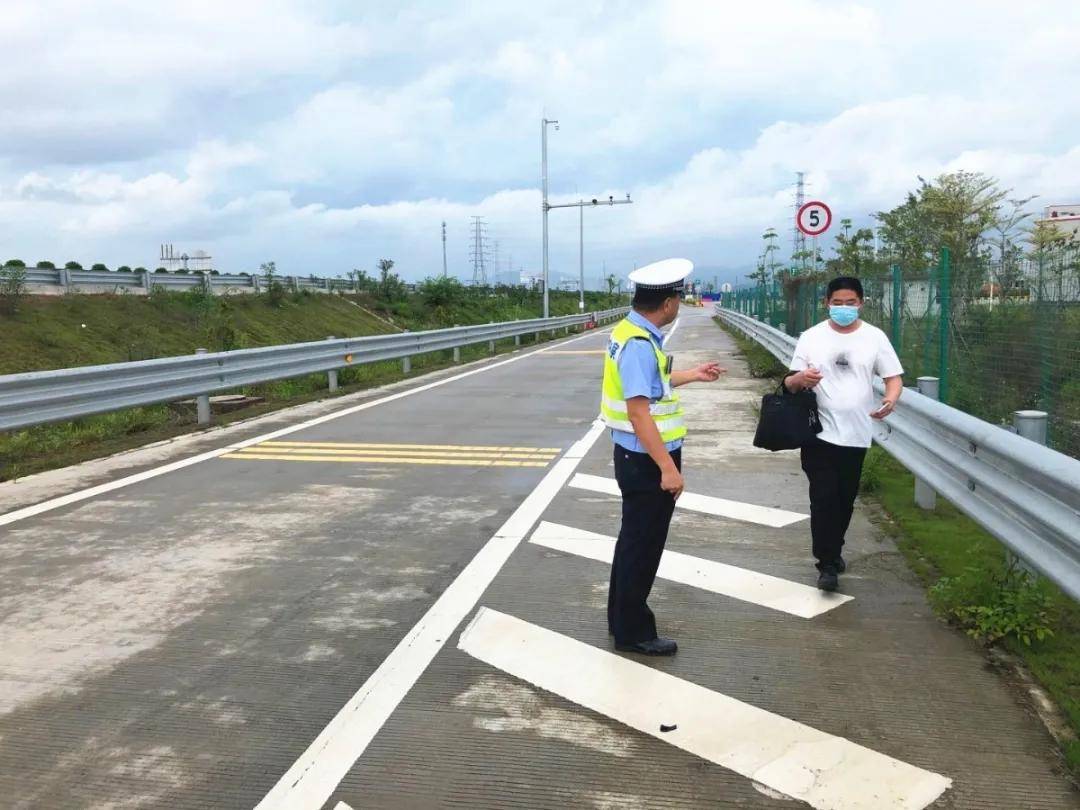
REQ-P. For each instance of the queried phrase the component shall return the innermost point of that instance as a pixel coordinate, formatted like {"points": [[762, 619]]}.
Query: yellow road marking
{"points": [[446, 462], [335, 451], [364, 445]]}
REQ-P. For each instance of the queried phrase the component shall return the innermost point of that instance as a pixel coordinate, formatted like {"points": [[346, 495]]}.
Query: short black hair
{"points": [[844, 283], [650, 300]]}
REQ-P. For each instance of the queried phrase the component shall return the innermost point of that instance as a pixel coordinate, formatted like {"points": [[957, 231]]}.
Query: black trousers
{"points": [[833, 471], [646, 515]]}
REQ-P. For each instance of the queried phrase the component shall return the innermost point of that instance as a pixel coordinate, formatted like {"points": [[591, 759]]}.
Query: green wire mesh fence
{"points": [[1000, 335]]}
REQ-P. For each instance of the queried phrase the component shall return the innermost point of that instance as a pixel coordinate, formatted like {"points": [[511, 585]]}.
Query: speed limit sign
{"points": [[814, 218]]}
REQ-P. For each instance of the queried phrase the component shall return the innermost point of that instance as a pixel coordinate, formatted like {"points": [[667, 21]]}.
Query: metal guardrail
{"points": [[1026, 495], [41, 397], [72, 280]]}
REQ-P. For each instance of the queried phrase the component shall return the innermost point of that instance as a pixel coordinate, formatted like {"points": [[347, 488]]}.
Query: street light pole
{"points": [[544, 204], [581, 205], [581, 258]]}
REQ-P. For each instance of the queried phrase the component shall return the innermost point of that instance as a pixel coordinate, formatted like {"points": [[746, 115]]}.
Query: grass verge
{"points": [[759, 360]]}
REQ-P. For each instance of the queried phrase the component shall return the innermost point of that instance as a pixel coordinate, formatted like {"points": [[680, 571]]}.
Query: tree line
{"points": [[982, 224]]}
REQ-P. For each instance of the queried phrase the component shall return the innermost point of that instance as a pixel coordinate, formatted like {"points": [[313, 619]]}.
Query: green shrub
{"points": [[992, 605]]}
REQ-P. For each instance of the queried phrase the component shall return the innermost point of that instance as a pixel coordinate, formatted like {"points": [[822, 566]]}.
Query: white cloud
{"points": [[319, 134]]}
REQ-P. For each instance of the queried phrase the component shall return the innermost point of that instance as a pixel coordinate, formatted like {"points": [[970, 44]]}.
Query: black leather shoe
{"points": [[827, 579], [657, 646], [841, 566]]}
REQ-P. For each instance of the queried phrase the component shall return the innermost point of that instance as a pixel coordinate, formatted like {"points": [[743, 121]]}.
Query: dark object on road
{"points": [[788, 421], [666, 729]]}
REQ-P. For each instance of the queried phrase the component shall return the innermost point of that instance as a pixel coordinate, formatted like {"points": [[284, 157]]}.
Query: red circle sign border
{"points": [[828, 220]]}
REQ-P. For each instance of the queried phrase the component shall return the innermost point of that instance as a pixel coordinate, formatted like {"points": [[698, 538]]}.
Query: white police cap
{"points": [[668, 274]]}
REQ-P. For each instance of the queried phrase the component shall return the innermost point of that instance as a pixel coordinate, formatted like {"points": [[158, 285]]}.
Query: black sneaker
{"points": [[827, 579], [656, 646], [841, 566]]}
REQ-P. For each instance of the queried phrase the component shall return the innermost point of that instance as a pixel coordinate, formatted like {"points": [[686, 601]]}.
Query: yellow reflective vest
{"points": [[667, 413]]}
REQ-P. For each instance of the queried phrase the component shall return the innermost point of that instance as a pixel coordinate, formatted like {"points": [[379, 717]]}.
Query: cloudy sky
{"points": [[326, 135]]}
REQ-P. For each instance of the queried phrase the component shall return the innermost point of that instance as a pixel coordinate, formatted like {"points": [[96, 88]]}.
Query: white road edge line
{"points": [[768, 591], [146, 475], [751, 513], [823, 770], [316, 774]]}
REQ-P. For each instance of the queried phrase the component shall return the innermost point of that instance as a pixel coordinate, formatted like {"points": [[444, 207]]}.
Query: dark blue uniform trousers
{"points": [[646, 515]]}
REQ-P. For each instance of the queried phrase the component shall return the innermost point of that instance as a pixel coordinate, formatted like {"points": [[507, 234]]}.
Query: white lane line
{"points": [[671, 332], [729, 580], [314, 776], [820, 769], [342, 806], [751, 513], [146, 475]]}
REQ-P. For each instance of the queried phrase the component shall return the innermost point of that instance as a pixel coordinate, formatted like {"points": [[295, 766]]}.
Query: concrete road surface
{"points": [[396, 600]]}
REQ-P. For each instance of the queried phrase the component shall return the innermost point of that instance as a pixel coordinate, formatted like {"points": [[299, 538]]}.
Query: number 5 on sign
{"points": [[814, 218]]}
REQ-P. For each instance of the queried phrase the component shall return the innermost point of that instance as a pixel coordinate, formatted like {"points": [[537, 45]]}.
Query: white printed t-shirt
{"points": [[848, 364]]}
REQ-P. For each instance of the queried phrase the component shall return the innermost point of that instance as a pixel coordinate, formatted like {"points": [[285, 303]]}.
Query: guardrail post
{"points": [[146, 280], [65, 279], [331, 375], [202, 403], [457, 354], [1031, 425], [925, 497], [517, 340], [406, 365], [491, 346], [207, 283], [255, 284]]}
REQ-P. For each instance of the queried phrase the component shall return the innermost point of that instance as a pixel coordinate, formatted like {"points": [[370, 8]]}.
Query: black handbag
{"points": [[788, 421]]}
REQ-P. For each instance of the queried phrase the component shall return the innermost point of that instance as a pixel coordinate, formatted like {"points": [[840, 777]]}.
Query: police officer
{"points": [[646, 421]]}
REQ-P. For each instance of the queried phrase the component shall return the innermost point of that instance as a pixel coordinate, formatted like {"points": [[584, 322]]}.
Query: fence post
{"points": [[202, 403], [331, 375], [945, 308], [897, 306], [925, 497], [1044, 331]]}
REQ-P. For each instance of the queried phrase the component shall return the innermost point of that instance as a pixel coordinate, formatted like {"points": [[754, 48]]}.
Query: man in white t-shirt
{"points": [[839, 359]]}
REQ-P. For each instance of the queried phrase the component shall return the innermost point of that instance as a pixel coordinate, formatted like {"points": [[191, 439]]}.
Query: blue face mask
{"points": [[844, 316]]}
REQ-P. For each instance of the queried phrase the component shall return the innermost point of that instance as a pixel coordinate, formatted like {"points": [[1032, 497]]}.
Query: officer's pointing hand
{"points": [[709, 372]]}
